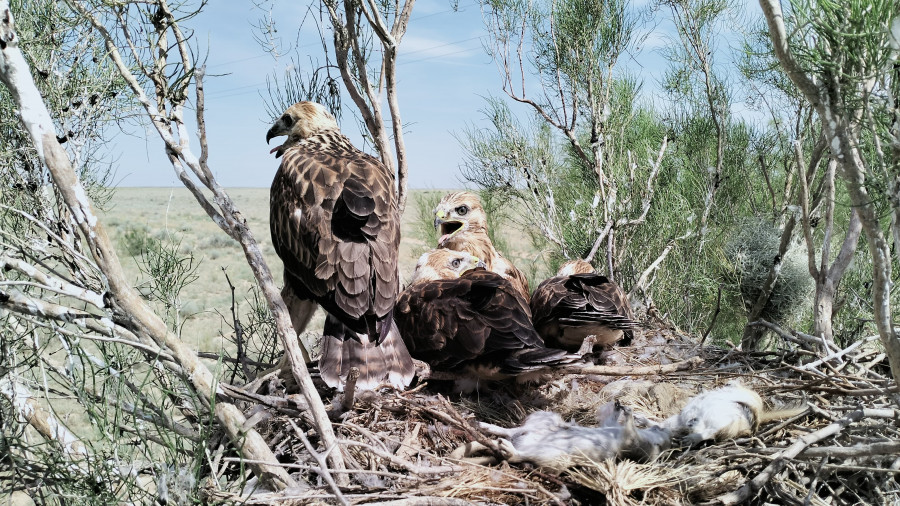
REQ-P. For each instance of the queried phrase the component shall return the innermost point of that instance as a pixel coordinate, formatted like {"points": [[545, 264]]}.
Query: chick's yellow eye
{"points": [[462, 210]]}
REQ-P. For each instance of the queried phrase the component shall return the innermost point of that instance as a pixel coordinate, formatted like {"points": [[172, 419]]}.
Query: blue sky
{"points": [[443, 73]]}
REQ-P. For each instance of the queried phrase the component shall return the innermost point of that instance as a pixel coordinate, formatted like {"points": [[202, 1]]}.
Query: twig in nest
{"points": [[838, 354], [323, 470], [424, 501], [779, 460], [815, 480], [650, 370], [405, 464], [350, 389], [453, 417], [715, 315]]}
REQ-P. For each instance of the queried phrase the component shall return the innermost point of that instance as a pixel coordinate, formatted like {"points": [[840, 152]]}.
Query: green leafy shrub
{"points": [[750, 251]]}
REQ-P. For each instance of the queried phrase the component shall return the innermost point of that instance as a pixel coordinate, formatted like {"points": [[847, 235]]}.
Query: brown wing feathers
{"points": [[335, 224], [476, 319], [332, 227], [585, 301]]}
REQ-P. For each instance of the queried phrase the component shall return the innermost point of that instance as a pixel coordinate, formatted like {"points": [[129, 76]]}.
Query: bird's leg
{"points": [[587, 346], [301, 312], [350, 389]]}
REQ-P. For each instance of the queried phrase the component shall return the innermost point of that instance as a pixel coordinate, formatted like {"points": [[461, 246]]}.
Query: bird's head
{"points": [[458, 212], [442, 263], [577, 266], [299, 121]]}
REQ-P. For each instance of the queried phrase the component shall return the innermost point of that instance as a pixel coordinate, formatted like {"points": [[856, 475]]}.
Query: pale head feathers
{"points": [[301, 121], [459, 212], [442, 263], [577, 266]]}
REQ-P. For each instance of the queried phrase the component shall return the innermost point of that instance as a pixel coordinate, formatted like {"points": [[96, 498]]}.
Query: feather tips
{"points": [[588, 301]]}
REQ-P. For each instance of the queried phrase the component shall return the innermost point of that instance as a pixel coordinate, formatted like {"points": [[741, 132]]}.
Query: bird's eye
{"points": [[455, 263], [287, 120], [462, 210]]}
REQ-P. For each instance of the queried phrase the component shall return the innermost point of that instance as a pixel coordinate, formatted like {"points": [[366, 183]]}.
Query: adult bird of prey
{"points": [[462, 223], [336, 226], [470, 321], [577, 303]]}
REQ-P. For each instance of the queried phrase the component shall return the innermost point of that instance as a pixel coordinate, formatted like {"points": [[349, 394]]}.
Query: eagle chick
{"points": [[462, 223]]}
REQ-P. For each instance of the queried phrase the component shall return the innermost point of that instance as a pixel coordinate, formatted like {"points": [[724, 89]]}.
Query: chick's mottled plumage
{"points": [[461, 319], [577, 303]]}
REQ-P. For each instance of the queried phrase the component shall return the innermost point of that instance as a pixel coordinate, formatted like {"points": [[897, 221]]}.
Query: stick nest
{"points": [[397, 445]]}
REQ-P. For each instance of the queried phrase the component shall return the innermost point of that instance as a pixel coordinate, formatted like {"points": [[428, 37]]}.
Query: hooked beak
{"points": [[277, 130], [480, 264], [273, 132], [439, 217]]}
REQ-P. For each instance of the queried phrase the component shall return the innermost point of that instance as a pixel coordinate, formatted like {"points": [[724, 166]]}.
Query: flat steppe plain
{"points": [[172, 214]]}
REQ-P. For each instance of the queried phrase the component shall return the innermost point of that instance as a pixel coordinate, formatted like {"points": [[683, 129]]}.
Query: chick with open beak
{"points": [[459, 214], [462, 223]]}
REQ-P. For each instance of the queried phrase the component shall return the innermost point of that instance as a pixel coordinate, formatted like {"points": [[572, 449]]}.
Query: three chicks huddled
{"points": [[468, 310]]}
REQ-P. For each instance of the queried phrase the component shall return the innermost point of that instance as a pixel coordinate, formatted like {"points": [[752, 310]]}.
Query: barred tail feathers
{"points": [[380, 364]]}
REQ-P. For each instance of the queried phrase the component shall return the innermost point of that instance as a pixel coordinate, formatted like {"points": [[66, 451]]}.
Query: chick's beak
{"points": [[480, 264], [439, 218]]}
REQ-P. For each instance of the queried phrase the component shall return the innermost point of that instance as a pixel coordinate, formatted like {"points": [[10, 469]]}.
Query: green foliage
{"points": [[424, 204], [722, 179], [168, 271], [846, 41], [750, 251], [83, 95], [136, 241]]}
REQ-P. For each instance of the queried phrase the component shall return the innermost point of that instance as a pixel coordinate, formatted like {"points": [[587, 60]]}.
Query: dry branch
{"points": [[45, 423], [230, 218], [750, 488], [650, 370], [16, 75]]}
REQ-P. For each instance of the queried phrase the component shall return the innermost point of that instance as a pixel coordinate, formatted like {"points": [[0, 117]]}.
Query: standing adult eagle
{"points": [[336, 226], [577, 303], [470, 321], [462, 222]]}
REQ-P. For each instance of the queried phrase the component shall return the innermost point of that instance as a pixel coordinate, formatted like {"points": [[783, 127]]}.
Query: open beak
{"points": [[446, 227], [274, 131], [277, 130]]}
